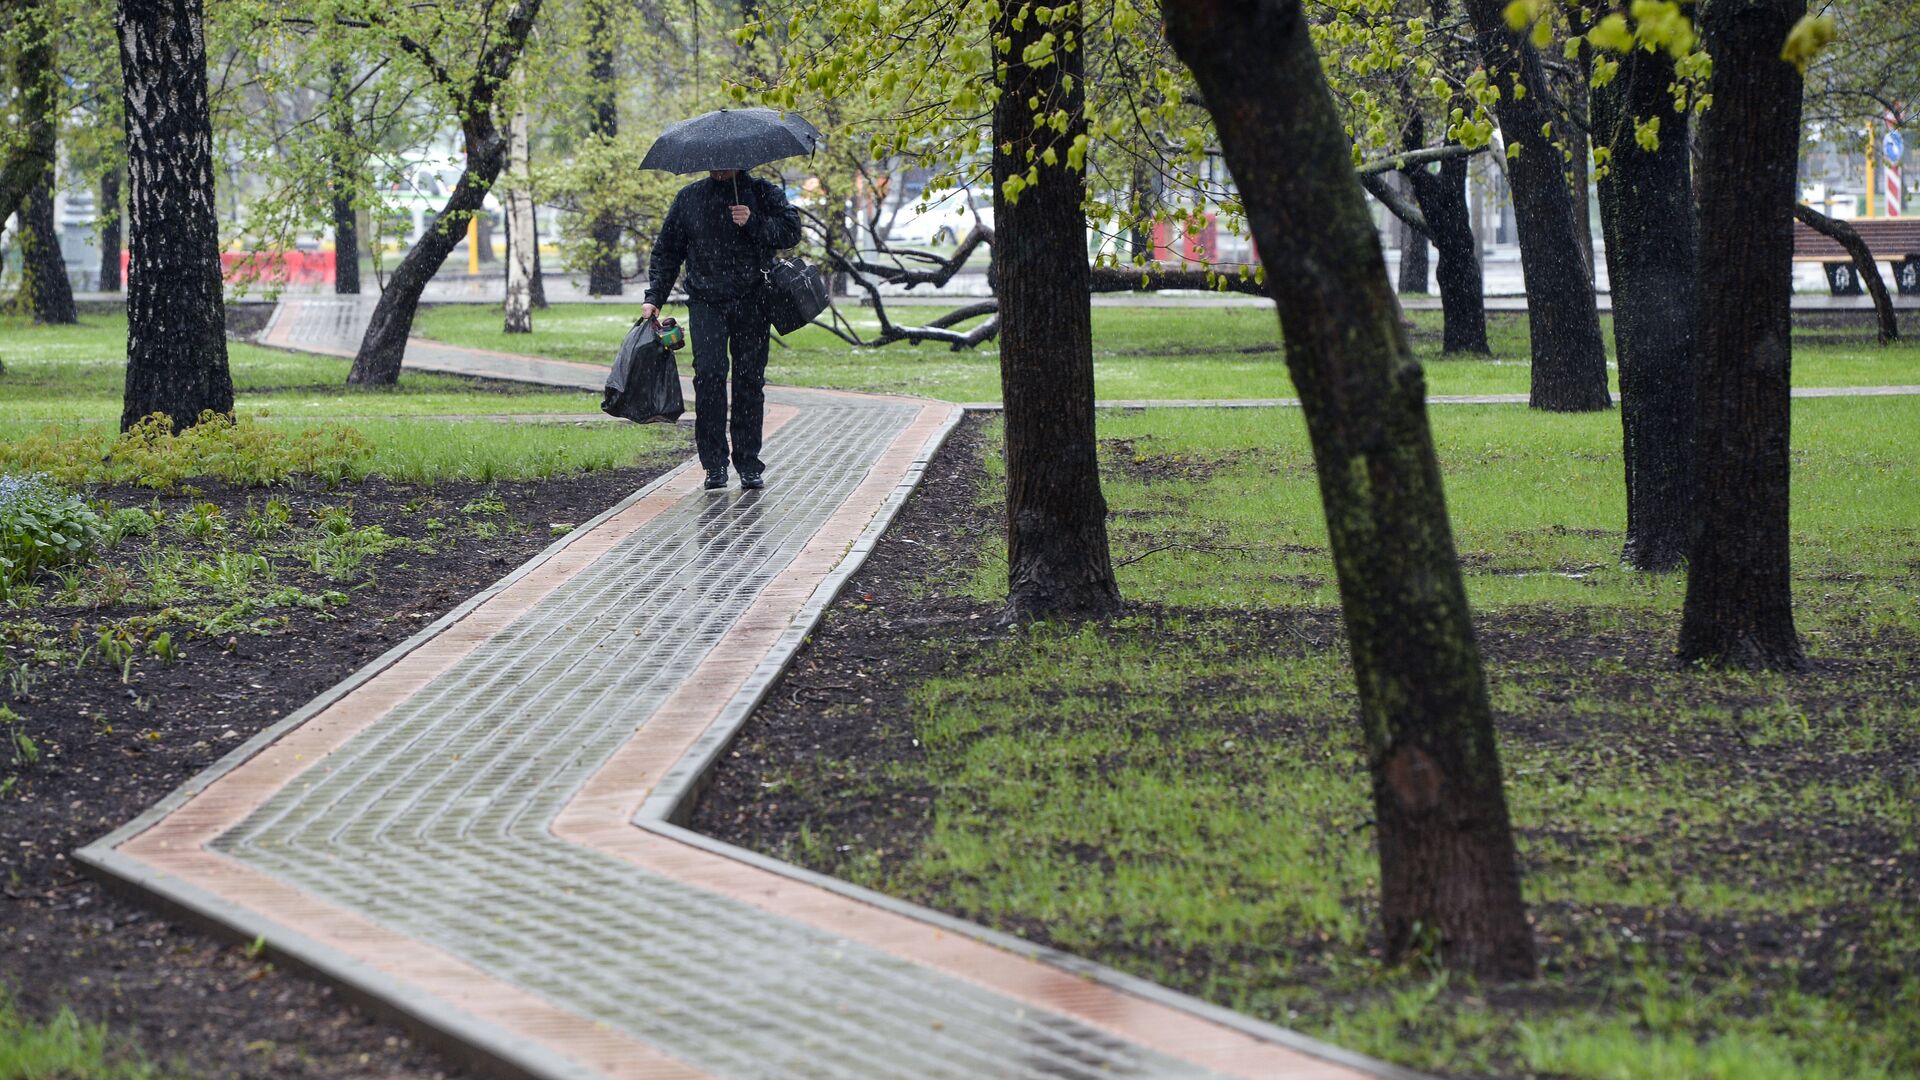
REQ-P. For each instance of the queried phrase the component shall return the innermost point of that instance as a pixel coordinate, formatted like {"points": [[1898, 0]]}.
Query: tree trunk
{"points": [[1569, 358], [110, 229], [1442, 199], [520, 247], [1579, 100], [1058, 564], [603, 275], [44, 288], [536, 285], [385, 344], [346, 234], [485, 234], [1647, 214], [1413, 253], [1739, 607], [1448, 873], [176, 324], [1144, 197], [1463, 304], [346, 247], [1863, 262], [36, 85]]}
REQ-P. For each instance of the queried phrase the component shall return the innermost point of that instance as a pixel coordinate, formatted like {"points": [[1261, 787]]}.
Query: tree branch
{"points": [[1414, 158], [1396, 201], [1848, 237]]}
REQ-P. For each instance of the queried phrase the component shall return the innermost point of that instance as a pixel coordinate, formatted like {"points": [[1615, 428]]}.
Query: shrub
{"points": [[240, 451], [41, 528]]}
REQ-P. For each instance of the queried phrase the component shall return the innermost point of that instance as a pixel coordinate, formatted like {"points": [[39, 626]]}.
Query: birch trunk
{"points": [[520, 244]]}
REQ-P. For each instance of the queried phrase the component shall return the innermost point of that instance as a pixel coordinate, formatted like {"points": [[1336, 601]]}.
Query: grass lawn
{"points": [[79, 372], [1139, 353], [62, 387], [1723, 870]]}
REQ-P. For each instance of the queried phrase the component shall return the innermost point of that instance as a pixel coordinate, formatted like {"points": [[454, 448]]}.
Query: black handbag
{"points": [[644, 385], [796, 293]]}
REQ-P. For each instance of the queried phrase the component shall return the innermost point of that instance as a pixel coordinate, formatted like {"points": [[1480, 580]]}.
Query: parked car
{"points": [[945, 220]]}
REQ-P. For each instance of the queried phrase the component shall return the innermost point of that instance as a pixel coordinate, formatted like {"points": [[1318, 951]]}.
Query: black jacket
{"points": [[723, 260]]}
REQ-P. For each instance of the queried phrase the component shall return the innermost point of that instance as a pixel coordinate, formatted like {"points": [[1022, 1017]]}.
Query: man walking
{"points": [[724, 229]]}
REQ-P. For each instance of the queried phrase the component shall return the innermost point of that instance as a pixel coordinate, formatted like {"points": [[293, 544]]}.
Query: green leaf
{"points": [[1611, 33], [1806, 39]]}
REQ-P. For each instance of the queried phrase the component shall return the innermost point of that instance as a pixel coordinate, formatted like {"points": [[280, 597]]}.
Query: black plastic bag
{"points": [[644, 385]]}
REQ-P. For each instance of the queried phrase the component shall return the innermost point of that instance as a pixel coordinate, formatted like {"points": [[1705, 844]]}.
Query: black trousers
{"points": [[736, 329]]}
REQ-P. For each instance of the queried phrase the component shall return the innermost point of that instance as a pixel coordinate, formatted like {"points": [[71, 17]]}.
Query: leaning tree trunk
{"points": [[1058, 563], [110, 229], [519, 311], [176, 324], [1647, 215], [1739, 607], [1569, 358], [1863, 263], [385, 344], [603, 274], [1448, 873], [44, 290], [346, 232]]}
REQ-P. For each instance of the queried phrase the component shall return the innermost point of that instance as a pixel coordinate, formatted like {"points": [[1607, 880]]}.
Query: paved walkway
{"points": [[476, 831]]}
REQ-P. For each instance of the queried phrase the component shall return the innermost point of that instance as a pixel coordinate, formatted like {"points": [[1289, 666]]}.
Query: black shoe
{"points": [[750, 481], [716, 479]]}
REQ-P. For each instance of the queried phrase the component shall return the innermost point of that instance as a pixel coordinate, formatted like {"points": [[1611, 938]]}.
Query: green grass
{"points": [[1536, 501], [66, 383], [1721, 867], [62, 1048], [79, 373], [1197, 814], [1139, 353]]}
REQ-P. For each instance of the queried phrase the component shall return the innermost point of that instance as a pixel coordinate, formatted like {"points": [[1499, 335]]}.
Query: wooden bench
{"points": [[1892, 240]]}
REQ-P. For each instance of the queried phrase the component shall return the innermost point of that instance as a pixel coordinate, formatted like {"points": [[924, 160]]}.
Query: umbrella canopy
{"points": [[730, 139]]}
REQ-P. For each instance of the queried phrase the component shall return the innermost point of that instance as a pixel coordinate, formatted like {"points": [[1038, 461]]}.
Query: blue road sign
{"points": [[1893, 147]]}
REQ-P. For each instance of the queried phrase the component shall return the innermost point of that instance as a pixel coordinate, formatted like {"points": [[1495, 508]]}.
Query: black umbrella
{"points": [[730, 139]]}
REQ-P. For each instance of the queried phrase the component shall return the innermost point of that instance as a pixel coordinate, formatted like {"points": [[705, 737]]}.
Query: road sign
{"points": [[1893, 147]]}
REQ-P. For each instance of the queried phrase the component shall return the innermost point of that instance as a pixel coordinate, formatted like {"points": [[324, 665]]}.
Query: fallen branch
{"points": [[1217, 551], [1110, 279]]}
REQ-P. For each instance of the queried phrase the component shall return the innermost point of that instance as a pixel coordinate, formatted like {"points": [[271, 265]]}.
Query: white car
{"points": [[950, 216]]}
